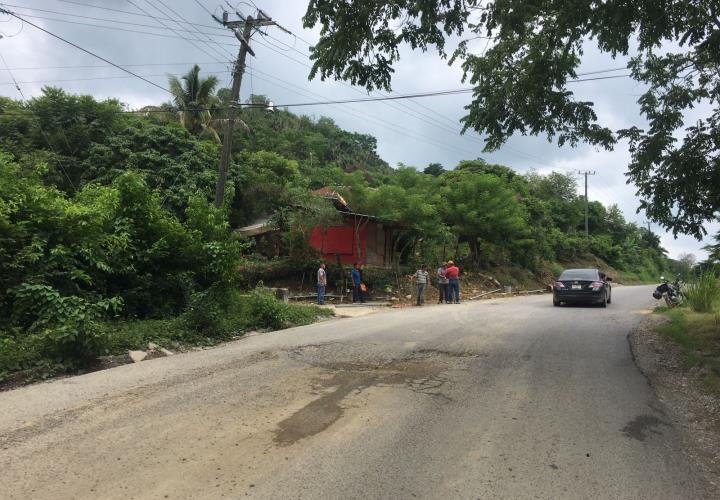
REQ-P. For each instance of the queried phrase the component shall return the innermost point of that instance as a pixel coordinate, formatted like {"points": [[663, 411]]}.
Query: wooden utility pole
{"points": [[248, 24], [586, 173]]}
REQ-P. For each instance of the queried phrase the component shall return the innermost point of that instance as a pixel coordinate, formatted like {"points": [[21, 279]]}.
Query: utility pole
{"points": [[586, 173], [248, 24]]}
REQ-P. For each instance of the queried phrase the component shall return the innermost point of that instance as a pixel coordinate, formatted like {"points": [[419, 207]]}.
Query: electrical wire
{"points": [[93, 54], [432, 123], [116, 28], [203, 7], [403, 132], [452, 125], [40, 125], [190, 41], [176, 14], [107, 78], [386, 98], [110, 9], [95, 66], [92, 18]]}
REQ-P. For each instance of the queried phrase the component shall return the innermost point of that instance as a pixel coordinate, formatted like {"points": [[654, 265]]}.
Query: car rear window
{"points": [[579, 274]]}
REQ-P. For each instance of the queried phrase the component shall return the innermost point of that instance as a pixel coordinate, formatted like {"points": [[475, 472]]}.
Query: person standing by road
{"points": [[357, 281], [442, 284], [452, 273], [321, 284], [421, 279]]}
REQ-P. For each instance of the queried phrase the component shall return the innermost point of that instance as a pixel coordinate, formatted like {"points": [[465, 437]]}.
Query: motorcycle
{"points": [[669, 291]]}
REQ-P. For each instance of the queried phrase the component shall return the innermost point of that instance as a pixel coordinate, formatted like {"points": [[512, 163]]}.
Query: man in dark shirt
{"points": [[357, 281]]}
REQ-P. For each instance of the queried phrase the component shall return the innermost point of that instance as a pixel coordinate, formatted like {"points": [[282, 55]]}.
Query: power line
{"points": [[266, 45], [81, 66], [178, 15], [108, 9], [206, 10], [92, 18], [115, 28], [390, 98], [395, 105], [417, 114], [436, 93], [403, 105], [190, 41], [365, 117], [108, 78], [93, 54]]}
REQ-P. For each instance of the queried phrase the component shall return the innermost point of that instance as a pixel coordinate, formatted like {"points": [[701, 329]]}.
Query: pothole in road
{"points": [[420, 371], [641, 426]]}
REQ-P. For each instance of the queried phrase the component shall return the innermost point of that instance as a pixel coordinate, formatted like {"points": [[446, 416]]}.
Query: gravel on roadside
{"points": [[693, 409]]}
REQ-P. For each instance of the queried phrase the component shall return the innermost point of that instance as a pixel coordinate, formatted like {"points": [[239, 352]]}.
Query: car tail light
{"points": [[596, 284], [559, 284]]}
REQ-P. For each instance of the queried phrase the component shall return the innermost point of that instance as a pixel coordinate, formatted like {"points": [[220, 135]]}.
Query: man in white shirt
{"points": [[321, 284], [422, 277]]}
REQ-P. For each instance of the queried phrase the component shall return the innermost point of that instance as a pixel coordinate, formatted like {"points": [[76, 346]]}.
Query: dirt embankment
{"points": [[691, 406]]}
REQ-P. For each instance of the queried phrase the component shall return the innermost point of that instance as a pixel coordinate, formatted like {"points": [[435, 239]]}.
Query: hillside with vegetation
{"points": [[109, 237]]}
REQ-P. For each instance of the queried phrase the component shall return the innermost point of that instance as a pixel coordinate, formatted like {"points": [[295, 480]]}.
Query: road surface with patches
{"points": [[497, 399]]}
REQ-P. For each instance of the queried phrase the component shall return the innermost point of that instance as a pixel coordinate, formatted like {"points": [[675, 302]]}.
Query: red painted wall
{"points": [[339, 240]]}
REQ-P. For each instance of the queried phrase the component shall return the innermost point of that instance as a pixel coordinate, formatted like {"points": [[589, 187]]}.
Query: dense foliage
{"points": [[105, 217], [532, 50]]}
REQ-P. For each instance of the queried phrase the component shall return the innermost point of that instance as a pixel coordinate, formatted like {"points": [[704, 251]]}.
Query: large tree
{"points": [[520, 82]]}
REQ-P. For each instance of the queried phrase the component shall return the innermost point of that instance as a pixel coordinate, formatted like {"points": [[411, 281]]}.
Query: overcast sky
{"points": [[414, 132]]}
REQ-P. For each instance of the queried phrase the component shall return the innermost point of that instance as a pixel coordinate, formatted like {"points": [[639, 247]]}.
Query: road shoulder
{"points": [[694, 410]]}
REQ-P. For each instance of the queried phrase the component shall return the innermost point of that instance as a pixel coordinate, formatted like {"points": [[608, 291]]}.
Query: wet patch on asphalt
{"points": [[641, 426], [421, 371]]}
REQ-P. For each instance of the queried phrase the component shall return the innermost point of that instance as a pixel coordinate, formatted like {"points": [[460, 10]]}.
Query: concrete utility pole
{"points": [[586, 173], [248, 24]]}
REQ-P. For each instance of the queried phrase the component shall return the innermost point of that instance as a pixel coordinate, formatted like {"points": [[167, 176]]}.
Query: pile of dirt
{"points": [[692, 406]]}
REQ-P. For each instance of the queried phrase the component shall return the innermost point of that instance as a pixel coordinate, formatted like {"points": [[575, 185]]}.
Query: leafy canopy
{"points": [[520, 82]]}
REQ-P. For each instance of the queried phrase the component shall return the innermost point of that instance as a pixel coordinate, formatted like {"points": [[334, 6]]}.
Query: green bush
{"points": [[212, 312], [223, 311], [703, 293], [62, 328], [265, 311]]}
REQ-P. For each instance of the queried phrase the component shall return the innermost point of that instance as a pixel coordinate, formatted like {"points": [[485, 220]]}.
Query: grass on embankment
{"points": [[699, 336], [210, 322], [214, 316]]}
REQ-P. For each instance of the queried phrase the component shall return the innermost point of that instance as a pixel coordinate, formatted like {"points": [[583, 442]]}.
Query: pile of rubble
{"points": [[153, 351]]}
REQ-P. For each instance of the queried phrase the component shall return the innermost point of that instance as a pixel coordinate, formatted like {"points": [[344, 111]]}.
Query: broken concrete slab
{"points": [[137, 356]]}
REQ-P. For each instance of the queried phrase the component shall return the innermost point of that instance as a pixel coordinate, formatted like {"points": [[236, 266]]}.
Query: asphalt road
{"points": [[497, 399]]}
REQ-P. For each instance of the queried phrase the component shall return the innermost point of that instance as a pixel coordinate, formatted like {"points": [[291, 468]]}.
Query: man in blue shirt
{"points": [[357, 281]]}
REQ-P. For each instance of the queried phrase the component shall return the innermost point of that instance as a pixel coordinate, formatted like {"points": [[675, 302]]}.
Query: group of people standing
{"points": [[359, 289], [448, 278]]}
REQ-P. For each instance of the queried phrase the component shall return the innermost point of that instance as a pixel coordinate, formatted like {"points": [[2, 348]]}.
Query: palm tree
{"points": [[194, 99]]}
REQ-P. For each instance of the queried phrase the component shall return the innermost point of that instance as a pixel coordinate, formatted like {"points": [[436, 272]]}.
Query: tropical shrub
{"points": [[703, 293]]}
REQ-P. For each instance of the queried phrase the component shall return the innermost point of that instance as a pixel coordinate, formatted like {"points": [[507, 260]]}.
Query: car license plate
{"points": [[577, 287]]}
